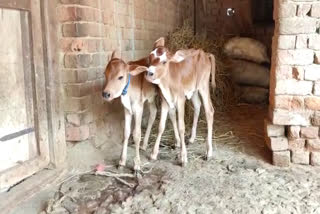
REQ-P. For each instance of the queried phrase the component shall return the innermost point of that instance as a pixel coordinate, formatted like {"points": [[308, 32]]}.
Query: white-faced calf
{"points": [[185, 74], [126, 81]]}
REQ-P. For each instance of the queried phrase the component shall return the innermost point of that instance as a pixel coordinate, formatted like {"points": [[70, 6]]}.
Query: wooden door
{"points": [[24, 146], [240, 22]]}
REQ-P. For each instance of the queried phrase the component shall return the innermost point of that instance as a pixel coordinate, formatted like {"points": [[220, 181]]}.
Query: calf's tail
{"points": [[213, 71]]}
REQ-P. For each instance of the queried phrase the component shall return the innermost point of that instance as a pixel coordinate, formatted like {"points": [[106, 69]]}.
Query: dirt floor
{"points": [[240, 178]]}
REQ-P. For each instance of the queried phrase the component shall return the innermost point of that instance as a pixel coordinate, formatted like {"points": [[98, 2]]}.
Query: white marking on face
{"points": [[152, 69], [163, 57], [154, 52], [125, 100]]}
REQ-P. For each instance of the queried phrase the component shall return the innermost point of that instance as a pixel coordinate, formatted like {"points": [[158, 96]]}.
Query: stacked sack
{"points": [[249, 69]]}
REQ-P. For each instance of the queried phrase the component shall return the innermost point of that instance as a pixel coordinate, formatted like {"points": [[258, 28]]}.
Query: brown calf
{"points": [[186, 74], [125, 81]]}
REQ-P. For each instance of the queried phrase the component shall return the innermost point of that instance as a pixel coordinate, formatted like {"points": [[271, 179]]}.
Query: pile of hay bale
{"points": [[249, 69]]}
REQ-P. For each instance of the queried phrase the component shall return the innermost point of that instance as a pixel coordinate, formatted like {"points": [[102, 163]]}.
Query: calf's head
{"points": [[157, 59], [117, 75]]}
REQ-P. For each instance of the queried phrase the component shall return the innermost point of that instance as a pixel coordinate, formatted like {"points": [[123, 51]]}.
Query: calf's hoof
{"points": [[184, 164], [153, 157], [191, 140], [208, 158], [120, 167], [144, 148]]}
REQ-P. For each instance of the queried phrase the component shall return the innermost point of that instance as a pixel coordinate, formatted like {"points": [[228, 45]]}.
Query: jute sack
{"points": [[249, 73], [246, 48]]}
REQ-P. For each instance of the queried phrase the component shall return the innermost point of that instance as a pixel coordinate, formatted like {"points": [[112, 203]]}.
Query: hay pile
{"points": [[182, 38]]}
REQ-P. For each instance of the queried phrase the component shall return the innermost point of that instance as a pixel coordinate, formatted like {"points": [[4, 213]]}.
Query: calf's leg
{"points": [[152, 117], [127, 131], [205, 94], [173, 118], [137, 135], [197, 106], [162, 124], [181, 102]]}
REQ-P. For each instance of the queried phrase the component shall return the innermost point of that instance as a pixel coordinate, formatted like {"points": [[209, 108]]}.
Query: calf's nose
{"points": [[106, 94]]}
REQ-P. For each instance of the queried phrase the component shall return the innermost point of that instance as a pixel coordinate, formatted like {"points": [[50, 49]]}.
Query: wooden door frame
{"points": [[48, 89]]}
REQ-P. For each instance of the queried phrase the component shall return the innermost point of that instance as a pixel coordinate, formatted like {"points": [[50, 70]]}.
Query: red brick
{"points": [[91, 3], [312, 72], [316, 88], [313, 145], [315, 11], [284, 72], [281, 159], [294, 132], [317, 57], [310, 132], [82, 30], [297, 144], [72, 13], [298, 73], [316, 119], [286, 42], [285, 117], [286, 10], [288, 26], [79, 45], [303, 9], [295, 57], [77, 60], [273, 130], [289, 102], [75, 134], [314, 41], [108, 17], [300, 157], [98, 85], [77, 104], [79, 90], [312, 103], [293, 87], [124, 21], [123, 9], [78, 119], [302, 41], [74, 76], [277, 143], [315, 159]]}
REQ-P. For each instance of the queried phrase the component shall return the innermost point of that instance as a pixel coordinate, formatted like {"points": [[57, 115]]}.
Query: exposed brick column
{"points": [[293, 125]]}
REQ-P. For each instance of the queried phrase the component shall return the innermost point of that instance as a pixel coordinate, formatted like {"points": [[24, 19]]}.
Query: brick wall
{"points": [[293, 124], [90, 30]]}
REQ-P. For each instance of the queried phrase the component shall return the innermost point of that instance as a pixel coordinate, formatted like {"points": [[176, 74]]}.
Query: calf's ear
{"points": [[159, 43], [116, 54], [137, 69]]}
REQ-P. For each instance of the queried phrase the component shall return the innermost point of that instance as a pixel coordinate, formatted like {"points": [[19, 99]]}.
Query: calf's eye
{"points": [[120, 78]]}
